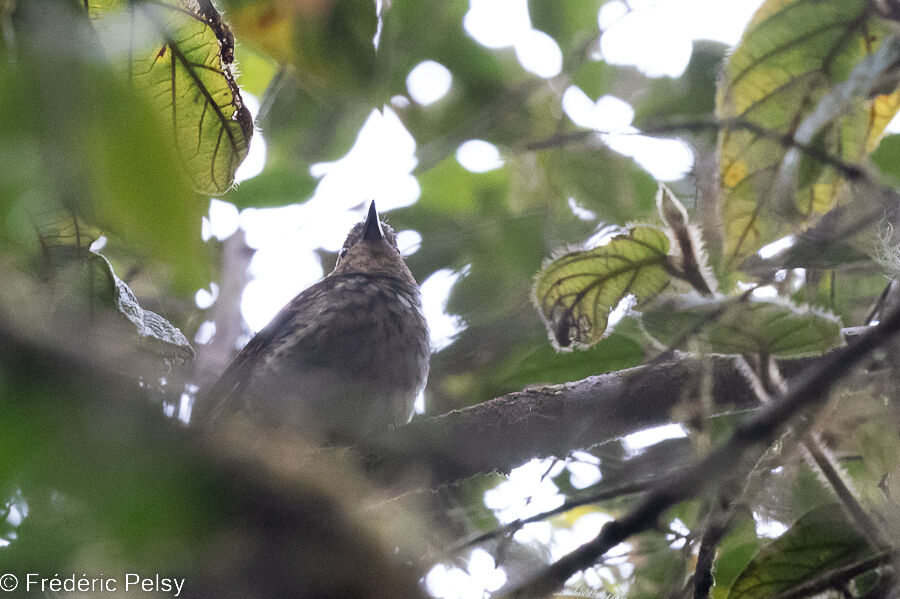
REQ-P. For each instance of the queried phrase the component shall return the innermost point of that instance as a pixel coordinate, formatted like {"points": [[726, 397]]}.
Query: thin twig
{"points": [[847, 169], [595, 497]]}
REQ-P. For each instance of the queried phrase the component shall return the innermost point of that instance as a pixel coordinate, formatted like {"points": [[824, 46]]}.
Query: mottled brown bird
{"points": [[346, 357]]}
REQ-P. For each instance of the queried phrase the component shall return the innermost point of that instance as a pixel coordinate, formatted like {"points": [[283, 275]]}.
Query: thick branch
{"points": [[505, 432]]}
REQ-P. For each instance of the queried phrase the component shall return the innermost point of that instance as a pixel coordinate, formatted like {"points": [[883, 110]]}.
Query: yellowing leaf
{"points": [[793, 53], [742, 326], [179, 53], [576, 291]]}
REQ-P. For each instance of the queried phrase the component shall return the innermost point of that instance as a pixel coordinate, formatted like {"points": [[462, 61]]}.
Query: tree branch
{"points": [[505, 432]]}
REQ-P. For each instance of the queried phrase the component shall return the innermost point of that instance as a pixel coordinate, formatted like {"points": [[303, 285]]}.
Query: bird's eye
{"points": [[343, 252]]}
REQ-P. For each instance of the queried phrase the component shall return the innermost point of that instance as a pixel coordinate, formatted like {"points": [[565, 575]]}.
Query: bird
{"points": [[346, 358]]}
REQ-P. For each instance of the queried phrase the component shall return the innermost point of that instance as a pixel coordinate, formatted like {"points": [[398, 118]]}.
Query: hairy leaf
{"points": [[742, 325], [180, 53], [793, 53], [576, 291], [820, 542]]}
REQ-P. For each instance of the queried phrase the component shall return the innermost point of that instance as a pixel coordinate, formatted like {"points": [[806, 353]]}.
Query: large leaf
{"points": [[179, 54], [791, 56], [820, 542], [576, 291], [741, 326]]}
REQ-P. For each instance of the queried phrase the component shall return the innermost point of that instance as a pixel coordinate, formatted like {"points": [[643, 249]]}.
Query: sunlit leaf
{"points": [[179, 53], [741, 325], [576, 291], [791, 55], [818, 543]]}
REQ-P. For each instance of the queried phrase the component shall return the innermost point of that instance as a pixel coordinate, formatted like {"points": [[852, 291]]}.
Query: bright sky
{"points": [[655, 36]]}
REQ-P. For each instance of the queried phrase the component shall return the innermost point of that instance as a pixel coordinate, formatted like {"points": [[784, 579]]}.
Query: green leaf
{"points": [[328, 44], [887, 157], [793, 53], [818, 543], [742, 325], [610, 185], [180, 57], [276, 185], [576, 291], [257, 71], [735, 552]]}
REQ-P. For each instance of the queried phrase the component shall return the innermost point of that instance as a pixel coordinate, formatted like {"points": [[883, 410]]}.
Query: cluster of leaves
{"points": [[802, 103]]}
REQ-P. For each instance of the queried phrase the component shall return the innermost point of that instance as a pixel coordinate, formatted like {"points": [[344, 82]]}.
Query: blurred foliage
{"points": [[90, 166], [88, 151]]}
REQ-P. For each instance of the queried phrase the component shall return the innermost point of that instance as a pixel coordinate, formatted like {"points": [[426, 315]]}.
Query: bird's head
{"points": [[371, 248]]}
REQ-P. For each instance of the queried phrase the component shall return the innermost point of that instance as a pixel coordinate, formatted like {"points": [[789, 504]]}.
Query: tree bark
{"points": [[507, 431]]}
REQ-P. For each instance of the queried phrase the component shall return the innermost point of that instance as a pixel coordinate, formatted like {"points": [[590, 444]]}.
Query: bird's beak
{"points": [[372, 228]]}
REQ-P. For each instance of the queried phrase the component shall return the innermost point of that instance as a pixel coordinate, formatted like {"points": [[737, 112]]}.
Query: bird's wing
{"points": [[221, 396]]}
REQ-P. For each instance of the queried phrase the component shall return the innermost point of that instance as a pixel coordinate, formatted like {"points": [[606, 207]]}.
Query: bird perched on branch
{"points": [[346, 357]]}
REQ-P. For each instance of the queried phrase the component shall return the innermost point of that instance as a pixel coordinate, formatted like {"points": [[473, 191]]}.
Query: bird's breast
{"points": [[355, 359]]}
